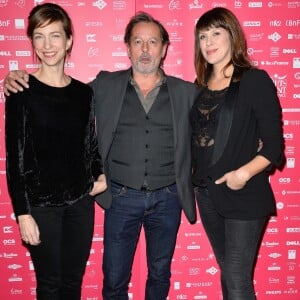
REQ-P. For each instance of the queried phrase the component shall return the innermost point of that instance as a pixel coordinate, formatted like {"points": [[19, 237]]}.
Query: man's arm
{"points": [[15, 81]]}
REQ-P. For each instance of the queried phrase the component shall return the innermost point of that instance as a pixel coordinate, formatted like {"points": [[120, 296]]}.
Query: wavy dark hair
{"points": [[48, 13], [224, 18]]}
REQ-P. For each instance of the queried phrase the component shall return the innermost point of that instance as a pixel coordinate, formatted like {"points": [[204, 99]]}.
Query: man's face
{"points": [[145, 48]]}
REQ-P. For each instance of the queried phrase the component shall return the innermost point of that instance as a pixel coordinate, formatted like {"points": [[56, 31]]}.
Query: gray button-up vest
{"points": [[142, 151]]}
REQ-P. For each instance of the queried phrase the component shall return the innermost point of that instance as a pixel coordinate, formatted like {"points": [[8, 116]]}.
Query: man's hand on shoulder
{"points": [[15, 82]]}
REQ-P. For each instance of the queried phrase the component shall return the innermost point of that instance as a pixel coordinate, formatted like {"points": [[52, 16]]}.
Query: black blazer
{"points": [[251, 111], [109, 91]]}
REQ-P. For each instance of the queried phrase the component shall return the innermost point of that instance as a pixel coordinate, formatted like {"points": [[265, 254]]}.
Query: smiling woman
{"points": [[55, 169], [236, 140]]}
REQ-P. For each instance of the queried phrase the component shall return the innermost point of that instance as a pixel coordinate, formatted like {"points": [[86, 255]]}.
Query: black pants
{"points": [[60, 259], [235, 245]]}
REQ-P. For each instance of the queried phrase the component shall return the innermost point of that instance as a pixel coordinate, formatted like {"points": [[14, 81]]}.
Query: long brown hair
{"points": [[221, 17]]}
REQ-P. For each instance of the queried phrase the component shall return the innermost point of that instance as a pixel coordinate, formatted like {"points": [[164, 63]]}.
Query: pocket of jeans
{"points": [[117, 190], [171, 189]]}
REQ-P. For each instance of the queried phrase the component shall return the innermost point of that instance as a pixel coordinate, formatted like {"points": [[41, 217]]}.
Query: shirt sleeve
{"points": [[15, 139], [268, 114]]}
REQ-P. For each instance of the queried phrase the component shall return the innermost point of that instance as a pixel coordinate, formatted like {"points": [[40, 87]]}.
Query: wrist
{"points": [[244, 174], [24, 217]]}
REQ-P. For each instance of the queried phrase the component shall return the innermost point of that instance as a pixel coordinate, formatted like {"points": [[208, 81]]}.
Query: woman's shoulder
{"points": [[256, 75], [80, 86]]}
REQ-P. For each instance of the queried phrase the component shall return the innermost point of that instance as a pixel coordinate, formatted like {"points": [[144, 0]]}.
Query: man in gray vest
{"points": [[144, 139]]}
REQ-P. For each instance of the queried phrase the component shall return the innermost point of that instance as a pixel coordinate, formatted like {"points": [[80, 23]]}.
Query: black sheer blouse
{"points": [[204, 118]]}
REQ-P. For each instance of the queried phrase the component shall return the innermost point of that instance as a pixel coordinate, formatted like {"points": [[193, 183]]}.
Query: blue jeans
{"points": [[60, 259], [235, 244], [159, 213]]}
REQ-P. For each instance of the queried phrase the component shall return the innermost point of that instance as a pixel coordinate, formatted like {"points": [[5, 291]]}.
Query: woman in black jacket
{"points": [[237, 138]]}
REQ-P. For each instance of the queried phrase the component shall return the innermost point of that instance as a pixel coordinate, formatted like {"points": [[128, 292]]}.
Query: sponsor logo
{"points": [[8, 255], [296, 62], [218, 4], [4, 23], [293, 229], [174, 5], [292, 23], [275, 23], [274, 255], [212, 270], [290, 162], [274, 63], [274, 267], [14, 266], [273, 280], [273, 292], [195, 5], [99, 4], [7, 229], [284, 180], [238, 4], [9, 242], [272, 230], [252, 23], [23, 53], [289, 51], [275, 37], [291, 254], [5, 53], [255, 4], [293, 243], [91, 38], [15, 278], [13, 65], [16, 292], [293, 4], [19, 24]]}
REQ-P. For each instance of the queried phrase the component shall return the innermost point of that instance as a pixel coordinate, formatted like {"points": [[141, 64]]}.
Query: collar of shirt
{"points": [[148, 101]]}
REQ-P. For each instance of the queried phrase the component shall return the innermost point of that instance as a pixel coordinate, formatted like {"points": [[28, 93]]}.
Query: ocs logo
{"points": [[9, 242], [284, 180]]}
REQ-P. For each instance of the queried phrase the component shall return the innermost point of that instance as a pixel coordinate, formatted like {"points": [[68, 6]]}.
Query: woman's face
{"points": [[51, 44], [215, 46]]}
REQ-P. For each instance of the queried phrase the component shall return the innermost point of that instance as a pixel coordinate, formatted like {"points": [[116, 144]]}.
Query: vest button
{"points": [[146, 174], [146, 159], [147, 146], [147, 131]]}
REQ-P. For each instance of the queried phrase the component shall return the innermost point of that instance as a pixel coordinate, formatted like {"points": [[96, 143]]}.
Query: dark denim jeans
{"points": [[60, 259], [235, 244], [159, 213]]}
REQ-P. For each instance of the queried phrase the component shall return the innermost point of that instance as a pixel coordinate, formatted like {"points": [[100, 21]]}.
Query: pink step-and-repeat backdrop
{"points": [[273, 33]]}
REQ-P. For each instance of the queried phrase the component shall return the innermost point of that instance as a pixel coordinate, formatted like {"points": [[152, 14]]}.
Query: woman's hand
{"points": [[99, 185], [235, 180], [29, 230]]}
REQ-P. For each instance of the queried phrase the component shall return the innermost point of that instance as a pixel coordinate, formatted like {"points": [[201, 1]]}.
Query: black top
{"points": [[204, 118], [51, 148], [251, 112]]}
